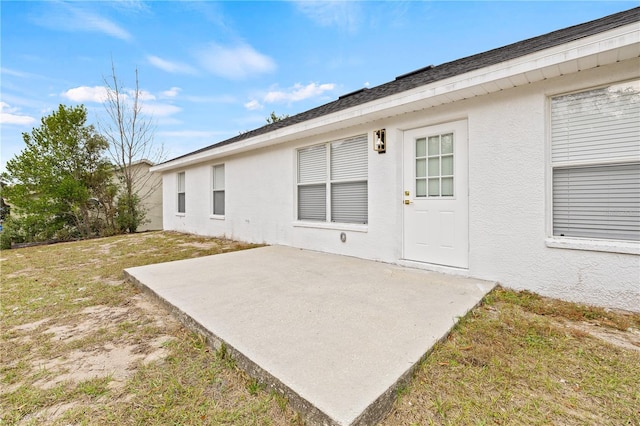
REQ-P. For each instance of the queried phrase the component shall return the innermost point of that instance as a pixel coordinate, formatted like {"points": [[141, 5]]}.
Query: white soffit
{"points": [[608, 47]]}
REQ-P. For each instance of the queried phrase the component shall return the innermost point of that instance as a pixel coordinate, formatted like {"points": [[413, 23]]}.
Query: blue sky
{"points": [[209, 70]]}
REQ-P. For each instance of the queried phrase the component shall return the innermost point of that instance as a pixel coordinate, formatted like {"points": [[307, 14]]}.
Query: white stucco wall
{"points": [[509, 193]]}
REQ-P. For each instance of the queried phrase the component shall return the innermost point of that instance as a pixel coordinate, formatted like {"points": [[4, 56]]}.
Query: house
{"points": [[519, 165], [148, 186]]}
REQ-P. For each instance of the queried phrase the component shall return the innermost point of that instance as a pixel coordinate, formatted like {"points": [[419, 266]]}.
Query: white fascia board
{"points": [[519, 71]]}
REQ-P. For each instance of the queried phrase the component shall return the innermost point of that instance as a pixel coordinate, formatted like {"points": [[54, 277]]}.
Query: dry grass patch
{"points": [[81, 346], [524, 359]]}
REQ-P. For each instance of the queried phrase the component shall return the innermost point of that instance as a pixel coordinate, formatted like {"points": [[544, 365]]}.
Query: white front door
{"points": [[436, 228]]}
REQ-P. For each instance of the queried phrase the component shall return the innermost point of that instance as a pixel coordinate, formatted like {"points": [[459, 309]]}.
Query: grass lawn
{"points": [[79, 345]]}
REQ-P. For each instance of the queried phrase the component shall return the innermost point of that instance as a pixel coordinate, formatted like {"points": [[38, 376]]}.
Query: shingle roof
{"points": [[431, 73]]}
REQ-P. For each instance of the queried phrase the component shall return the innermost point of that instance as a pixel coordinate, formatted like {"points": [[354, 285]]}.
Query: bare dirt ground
{"points": [[117, 360]]}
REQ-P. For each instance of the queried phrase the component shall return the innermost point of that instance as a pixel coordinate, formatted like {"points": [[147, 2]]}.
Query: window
{"points": [[218, 189], [595, 161], [434, 166], [332, 181], [181, 193]]}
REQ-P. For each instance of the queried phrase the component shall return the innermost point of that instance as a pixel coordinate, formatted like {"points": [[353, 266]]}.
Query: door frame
{"points": [[409, 167]]}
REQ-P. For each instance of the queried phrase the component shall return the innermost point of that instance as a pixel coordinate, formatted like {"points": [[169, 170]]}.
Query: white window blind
{"points": [[601, 124], [312, 164], [597, 202], [595, 160], [349, 169], [349, 159], [332, 181], [349, 202], [312, 202]]}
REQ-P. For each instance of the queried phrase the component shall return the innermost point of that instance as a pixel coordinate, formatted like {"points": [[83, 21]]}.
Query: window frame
{"points": [[329, 182], [574, 242], [214, 188], [183, 192]]}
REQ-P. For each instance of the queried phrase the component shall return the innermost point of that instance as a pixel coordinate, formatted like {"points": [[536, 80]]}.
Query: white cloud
{"points": [[298, 92], [159, 110], [253, 105], [190, 134], [171, 93], [131, 5], [65, 17], [222, 99], [236, 62], [8, 116], [15, 73], [143, 95], [96, 94], [169, 66], [92, 22], [343, 14]]}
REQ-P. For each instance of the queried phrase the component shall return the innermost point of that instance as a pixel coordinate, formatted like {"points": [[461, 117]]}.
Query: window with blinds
{"points": [[181, 192], [218, 189], [332, 181], [595, 160]]}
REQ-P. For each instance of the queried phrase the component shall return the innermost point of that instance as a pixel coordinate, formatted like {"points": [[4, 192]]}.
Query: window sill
{"points": [[625, 247], [216, 216], [333, 226], [181, 214]]}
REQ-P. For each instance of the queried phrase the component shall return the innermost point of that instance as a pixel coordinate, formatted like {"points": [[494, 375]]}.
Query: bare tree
{"points": [[131, 142]]}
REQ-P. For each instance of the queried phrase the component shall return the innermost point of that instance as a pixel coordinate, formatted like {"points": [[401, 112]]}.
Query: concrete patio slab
{"points": [[335, 334]]}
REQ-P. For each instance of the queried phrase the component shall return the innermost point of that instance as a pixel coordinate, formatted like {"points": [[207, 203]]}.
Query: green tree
{"points": [[273, 118], [60, 181]]}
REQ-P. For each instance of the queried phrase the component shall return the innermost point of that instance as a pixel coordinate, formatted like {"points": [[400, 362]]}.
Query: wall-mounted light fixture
{"points": [[380, 141]]}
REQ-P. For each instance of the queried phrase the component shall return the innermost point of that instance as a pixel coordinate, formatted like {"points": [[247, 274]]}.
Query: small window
{"points": [[181, 193], [218, 190], [595, 147]]}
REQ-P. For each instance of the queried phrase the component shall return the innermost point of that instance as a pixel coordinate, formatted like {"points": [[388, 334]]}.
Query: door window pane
{"points": [[447, 186], [434, 187], [421, 147], [434, 145], [421, 167], [447, 165], [434, 166], [421, 187], [447, 144]]}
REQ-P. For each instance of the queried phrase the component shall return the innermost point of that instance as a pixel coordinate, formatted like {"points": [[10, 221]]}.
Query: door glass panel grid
{"points": [[434, 166]]}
